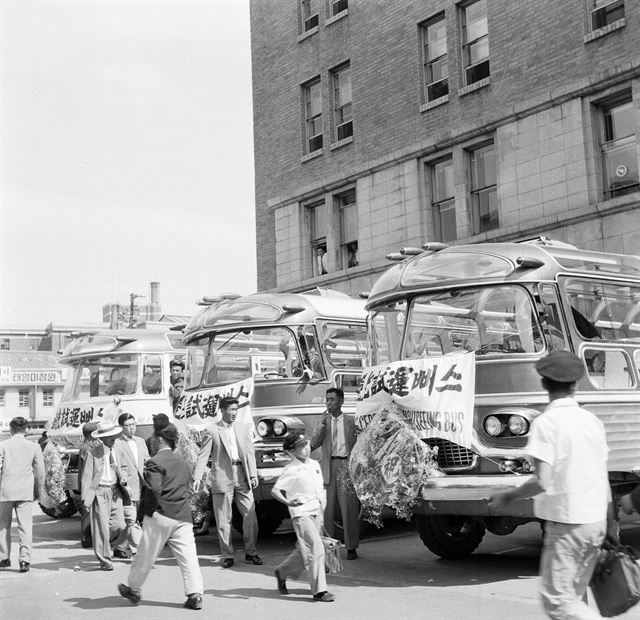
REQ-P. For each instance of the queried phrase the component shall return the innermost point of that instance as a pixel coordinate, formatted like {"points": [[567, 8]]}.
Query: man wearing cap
{"points": [[131, 454], [570, 487], [88, 444], [159, 421], [176, 369], [233, 476], [21, 481], [301, 488], [101, 494]]}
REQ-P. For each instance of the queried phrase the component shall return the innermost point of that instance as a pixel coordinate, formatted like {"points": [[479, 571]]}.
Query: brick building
{"points": [[387, 124]]}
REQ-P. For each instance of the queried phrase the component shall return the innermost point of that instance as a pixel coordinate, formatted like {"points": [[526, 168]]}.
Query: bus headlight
{"points": [[279, 427], [518, 425], [262, 428], [493, 426]]}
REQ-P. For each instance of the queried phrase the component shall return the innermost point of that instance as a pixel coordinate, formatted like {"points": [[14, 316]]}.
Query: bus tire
{"points": [[61, 511], [269, 513], [450, 536]]}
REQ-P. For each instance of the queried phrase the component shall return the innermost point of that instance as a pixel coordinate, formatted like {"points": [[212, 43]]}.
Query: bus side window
{"points": [[152, 375], [608, 369], [551, 307]]}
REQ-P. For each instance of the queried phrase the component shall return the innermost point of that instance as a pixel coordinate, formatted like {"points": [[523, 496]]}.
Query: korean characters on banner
{"points": [[197, 410], [436, 395]]}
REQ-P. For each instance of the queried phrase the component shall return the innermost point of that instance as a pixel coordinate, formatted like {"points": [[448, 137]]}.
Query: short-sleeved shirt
{"points": [[303, 481], [573, 441]]}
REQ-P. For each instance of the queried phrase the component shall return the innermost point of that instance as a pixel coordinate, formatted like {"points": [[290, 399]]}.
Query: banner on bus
{"points": [[435, 395], [197, 410]]}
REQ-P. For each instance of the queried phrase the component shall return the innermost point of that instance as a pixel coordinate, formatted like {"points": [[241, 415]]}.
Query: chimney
{"points": [[154, 307]]}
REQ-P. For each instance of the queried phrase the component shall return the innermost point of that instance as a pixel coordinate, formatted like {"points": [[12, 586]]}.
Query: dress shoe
{"points": [[194, 601], [352, 554], [85, 543], [119, 553], [282, 584], [24, 567], [106, 566], [5, 563], [253, 559], [227, 563], [325, 597], [126, 592]]}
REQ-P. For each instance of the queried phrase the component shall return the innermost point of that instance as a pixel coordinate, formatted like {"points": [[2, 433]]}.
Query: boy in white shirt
{"points": [[301, 488]]}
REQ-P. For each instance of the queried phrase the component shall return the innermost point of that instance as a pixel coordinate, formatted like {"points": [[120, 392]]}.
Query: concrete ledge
{"points": [[310, 156], [434, 104], [475, 86], [601, 32], [340, 143], [337, 17], [308, 33]]}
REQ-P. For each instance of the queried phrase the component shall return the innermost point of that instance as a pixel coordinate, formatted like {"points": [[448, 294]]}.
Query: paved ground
{"points": [[395, 577]]}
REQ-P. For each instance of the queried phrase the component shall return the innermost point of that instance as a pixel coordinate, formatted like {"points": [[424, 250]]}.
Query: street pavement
{"points": [[394, 577]]}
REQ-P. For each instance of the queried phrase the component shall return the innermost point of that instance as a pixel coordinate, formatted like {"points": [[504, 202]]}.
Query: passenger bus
{"points": [[111, 372], [293, 347], [511, 304]]}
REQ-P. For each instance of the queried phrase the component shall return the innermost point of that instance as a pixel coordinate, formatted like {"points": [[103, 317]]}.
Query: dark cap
{"points": [[294, 439], [160, 420], [561, 366], [176, 362]]}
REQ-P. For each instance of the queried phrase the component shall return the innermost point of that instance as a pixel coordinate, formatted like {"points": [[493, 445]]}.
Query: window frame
{"points": [[3, 398], [347, 245], [316, 140], [337, 6], [428, 62], [467, 44], [47, 397], [341, 119], [308, 19], [24, 398], [596, 12], [316, 241], [476, 192], [441, 204]]}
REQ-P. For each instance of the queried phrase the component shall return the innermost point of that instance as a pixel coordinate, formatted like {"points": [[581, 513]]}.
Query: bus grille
{"points": [[451, 455]]}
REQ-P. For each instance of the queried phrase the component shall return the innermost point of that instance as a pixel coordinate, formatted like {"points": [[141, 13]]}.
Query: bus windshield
{"points": [[497, 319], [344, 345], [107, 375]]}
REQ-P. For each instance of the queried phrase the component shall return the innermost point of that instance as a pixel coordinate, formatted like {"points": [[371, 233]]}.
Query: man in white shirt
{"points": [[568, 448], [336, 433], [301, 488]]}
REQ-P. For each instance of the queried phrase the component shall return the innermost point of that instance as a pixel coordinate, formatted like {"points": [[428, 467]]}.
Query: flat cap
{"points": [[561, 366]]}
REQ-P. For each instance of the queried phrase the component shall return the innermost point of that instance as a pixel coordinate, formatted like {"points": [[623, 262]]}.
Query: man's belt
{"points": [[236, 462], [340, 457], [106, 485]]}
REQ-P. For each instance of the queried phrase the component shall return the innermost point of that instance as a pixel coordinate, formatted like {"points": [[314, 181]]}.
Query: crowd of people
{"points": [[125, 482]]}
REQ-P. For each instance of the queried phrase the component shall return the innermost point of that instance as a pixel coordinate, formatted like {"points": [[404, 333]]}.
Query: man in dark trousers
{"points": [[233, 476], [167, 521], [336, 433], [21, 481]]}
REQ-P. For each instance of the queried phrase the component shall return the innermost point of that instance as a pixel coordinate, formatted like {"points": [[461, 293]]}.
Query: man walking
{"points": [[336, 433], [167, 521], [131, 455], [101, 494], [233, 476], [21, 481], [570, 487], [88, 444]]}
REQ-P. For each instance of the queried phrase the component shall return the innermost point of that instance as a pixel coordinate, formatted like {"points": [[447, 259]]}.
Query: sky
{"points": [[126, 155]]}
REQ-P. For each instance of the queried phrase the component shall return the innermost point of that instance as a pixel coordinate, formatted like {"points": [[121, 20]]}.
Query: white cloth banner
{"points": [[436, 395], [197, 410]]}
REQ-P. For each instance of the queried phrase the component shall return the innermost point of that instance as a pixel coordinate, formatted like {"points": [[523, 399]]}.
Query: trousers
{"points": [[134, 529], [308, 554], [222, 505], [157, 531], [108, 528], [347, 501], [569, 555], [24, 511]]}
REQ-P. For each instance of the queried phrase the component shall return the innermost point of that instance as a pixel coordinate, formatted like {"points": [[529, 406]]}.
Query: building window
{"points": [[605, 12], [2, 398], [23, 398], [337, 6], [348, 218], [312, 95], [484, 200], [342, 102], [442, 201], [318, 226], [309, 11], [47, 398], [5, 344], [475, 42], [619, 148], [434, 54]]}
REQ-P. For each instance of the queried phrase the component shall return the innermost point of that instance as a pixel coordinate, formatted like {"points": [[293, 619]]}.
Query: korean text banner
{"points": [[199, 409], [436, 395]]}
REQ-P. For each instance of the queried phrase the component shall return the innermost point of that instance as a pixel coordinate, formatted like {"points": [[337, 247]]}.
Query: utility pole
{"points": [[132, 298]]}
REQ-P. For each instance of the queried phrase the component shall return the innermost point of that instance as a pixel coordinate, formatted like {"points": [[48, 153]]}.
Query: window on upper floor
{"points": [[605, 12], [342, 114], [348, 218], [23, 398], [309, 14], [47, 397], [337, 6], [443, 206], [318, 228], [434, 58], [618, 145], [475, 41], [484, 199], [5, 344], [3, 397], [312, 102]]}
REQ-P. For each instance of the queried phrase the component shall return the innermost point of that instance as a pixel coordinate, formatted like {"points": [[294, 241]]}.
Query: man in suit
{"points": [[167, 521], [21, 481], [233, 476], [88, 444], [131, 455], [336, 433], [101, 494]]}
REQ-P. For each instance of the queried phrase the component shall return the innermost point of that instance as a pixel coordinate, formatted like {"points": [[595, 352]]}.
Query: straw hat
{"points": [[106, 428]]}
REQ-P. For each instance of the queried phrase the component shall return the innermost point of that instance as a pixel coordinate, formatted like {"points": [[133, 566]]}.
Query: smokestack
{"points": [[154, 307]]}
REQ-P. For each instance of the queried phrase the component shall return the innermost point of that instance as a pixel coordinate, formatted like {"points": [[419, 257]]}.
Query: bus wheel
{"points": [[61, 511], [450, 536], [270, 514]]}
